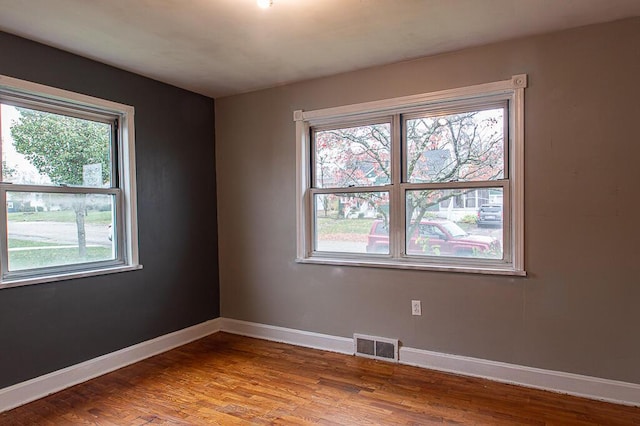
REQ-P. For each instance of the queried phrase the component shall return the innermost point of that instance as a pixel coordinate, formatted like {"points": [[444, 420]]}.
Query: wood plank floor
{"points": [[229, 380]]}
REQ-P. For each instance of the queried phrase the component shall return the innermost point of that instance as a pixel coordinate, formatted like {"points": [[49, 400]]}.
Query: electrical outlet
{"points": [[416, 307]]}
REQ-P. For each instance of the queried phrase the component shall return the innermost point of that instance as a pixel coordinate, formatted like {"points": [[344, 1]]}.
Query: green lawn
{"points": [[343, 226], [13, 243], [93, 217], [39, 258]]}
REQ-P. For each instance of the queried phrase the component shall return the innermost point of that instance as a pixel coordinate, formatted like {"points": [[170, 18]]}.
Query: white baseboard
{"points": [[538, 378], [555, 381], [22, 393], [292, 336]]}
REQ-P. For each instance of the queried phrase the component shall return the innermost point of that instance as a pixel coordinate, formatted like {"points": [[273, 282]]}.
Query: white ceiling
{"points": [[224, 47]]}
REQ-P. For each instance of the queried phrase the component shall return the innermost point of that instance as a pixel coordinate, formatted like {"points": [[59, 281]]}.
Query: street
{"points": [[64, 233]]}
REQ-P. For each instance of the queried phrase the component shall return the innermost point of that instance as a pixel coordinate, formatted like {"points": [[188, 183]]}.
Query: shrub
{"points": [[470, 218]]}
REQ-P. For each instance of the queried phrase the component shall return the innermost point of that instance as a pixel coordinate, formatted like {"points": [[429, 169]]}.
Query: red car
{"points": [[436, 237]]}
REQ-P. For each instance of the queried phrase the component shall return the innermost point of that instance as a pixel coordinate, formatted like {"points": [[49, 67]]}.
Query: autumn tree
{"points": [[355, 157], [459, 147], [59, 147]]}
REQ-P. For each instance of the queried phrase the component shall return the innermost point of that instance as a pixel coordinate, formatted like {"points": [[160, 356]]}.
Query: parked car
{"points": [[437, 237], [490, 215]]}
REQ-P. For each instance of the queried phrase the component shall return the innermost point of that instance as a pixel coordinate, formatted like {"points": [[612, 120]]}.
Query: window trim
{"points": [[26, 93], [510, 91]]}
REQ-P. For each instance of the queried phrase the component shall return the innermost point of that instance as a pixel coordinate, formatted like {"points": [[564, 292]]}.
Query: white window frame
{"points": [[510, 91], [67, 102]]}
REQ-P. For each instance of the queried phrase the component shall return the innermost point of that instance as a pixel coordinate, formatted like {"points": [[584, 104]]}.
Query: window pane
{"points": [[352, 223], [437, 228], [461, 147], [354, 156], [47, 229], [42, 148]]}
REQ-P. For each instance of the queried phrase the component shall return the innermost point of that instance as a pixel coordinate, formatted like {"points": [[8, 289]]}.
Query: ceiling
{"points": [[225, 47]]}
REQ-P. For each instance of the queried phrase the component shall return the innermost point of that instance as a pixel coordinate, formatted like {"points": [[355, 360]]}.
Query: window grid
{"points": [[120, 188], [506, 95]]}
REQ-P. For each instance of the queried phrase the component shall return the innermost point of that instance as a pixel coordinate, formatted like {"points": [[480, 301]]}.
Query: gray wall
{"points": [[578, 309], [50, 326]]}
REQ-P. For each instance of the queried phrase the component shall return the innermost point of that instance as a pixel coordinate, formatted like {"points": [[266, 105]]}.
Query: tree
{"points": [[8, 173], [459, 147], [59, 147], [356, 156]]}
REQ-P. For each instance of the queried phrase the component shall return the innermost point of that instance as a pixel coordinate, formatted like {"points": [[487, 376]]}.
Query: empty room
{"points": [[338, 212]]}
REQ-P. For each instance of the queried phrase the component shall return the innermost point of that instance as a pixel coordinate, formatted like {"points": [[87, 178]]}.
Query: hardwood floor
{"points": [[229, 380]]}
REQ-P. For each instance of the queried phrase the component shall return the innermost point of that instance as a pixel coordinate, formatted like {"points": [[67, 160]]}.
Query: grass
{"points": [[27, 259], [328, 225], [13, 243], [93, 217]]}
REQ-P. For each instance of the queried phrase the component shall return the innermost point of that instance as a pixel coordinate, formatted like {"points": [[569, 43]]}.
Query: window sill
{"points": [[383, 263], [67, 276]]}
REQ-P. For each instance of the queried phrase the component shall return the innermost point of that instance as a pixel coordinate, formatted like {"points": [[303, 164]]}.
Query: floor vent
{"points": [[376, 347]]}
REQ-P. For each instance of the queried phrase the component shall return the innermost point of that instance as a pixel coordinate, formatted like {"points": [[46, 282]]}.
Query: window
{"points": [[68, 185], [431, 181]]}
